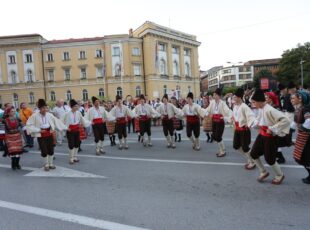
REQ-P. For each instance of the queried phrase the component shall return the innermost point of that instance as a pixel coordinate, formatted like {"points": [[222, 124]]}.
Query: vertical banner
{"points": [[264, 83]]}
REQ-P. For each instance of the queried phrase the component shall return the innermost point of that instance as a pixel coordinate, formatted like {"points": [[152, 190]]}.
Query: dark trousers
{"points": [[266, 146], [242, 139], [29, 139], [168, 127], [193, 127], [46, 146], [98, 130], [131, 123], [145, 127], [73, 139], [218, 130], [121, 130]]}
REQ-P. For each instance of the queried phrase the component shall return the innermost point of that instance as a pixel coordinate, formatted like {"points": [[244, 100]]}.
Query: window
{"points": [[189, 89], [138, 91], [137, 69], [66, 56], [101, 92], [116, 51], [15, 100], [135, 51], [69, 95], [50, 57], [31, 98], [119, 91], [226, 71], [67, 74], [99, 53], [176, 68], [165, 89], [12, 59], [83, 73], [175, 50], [28, 58], [162, 47], [29, 76], [100, 71], [85, 95], [53, 96], [187, 52], [163, 69], [117, 69], [13, 77], [82, 55], [187, 69], [50, 75]]}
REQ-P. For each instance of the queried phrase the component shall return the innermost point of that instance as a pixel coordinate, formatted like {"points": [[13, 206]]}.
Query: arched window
{"points": [[31, 98], [69, 95], [176, 68], [119, 91], [101, 92], [85, 95], [117, 69], [165, 89], [13, 77], [138, 91], [53, 96], [15, 100], [29, 76], [163, 68], [187, 69]]}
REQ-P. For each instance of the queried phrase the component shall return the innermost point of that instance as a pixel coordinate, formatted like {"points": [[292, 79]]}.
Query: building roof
{"points": [[263, 62], [20, 36], [71, 40]]}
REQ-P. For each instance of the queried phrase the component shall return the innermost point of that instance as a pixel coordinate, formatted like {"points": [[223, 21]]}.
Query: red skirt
{"points": [[83, 135], [110, 127], [2, 137], [137, 125], [14, 144], [176, 123], [207, 124]]}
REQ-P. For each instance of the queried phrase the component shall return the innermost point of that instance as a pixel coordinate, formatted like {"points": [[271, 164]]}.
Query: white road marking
{"points": [[170, 161], [58, 172], [63, 216]]}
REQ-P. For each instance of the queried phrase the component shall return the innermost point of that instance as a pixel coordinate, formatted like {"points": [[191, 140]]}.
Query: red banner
{"points": [[264, 83]]}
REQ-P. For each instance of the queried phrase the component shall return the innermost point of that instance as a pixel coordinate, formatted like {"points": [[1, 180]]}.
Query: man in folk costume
{"points": [[73, 120], [43, 125], [219, 112], [97, 115], [145, 112], [243, 118], [272, 123], [168, 111], [121, 112], [193, 112]]}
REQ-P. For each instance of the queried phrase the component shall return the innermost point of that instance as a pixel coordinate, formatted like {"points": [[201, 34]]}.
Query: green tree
{"points": [[290, 68]]}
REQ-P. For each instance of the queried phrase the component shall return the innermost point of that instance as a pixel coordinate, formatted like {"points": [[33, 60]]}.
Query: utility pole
{"points": [[302, 72]]}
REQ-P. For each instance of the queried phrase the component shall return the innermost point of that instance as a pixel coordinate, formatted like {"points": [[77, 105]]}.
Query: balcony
{"points": [[176, 77], [164, 76]]}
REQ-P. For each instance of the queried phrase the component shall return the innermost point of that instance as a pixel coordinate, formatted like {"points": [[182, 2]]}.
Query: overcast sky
{"points": [[230, 31]]}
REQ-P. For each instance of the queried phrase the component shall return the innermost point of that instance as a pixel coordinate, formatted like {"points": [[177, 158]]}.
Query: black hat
{"points": [[218, 91], [94, 99], [72, 103], [291, 85], [165, 96], [239, 92], [41, 103], [190, 95], [281, 86], [118, 97], [142, 97], [258, 96]]}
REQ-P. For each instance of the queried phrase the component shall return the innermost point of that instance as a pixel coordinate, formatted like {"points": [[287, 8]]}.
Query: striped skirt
{"points": [[14, 144], [110, 127], [207, 124], [301, 141]]}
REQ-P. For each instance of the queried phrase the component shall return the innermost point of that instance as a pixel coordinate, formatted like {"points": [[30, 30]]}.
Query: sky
{"points": [[229, 31]]}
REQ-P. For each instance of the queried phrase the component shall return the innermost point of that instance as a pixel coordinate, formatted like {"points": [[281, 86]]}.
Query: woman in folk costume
{"points": [[13, 138], [43, 125], [97, 115], [111, 125], [177, 122], [121, 112], [168, 111], [193, 112], [145, 112], [272, 123], [219, 112], [300, 101], [243, 118], [73, 120]]}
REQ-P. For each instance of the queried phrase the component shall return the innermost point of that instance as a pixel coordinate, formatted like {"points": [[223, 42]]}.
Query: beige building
{"points": [[152, 60]]}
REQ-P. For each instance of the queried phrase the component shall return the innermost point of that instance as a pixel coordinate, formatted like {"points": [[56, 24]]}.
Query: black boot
{"points": [[208, 137], [280, 158], [307, 179], [175, 137], [179, 135], [17, 163], [13, 163], [139, 138], [111, 140], [211, 139]]}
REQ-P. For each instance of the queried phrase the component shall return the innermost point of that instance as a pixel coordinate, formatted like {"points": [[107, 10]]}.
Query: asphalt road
{"points": [[151, 188]]}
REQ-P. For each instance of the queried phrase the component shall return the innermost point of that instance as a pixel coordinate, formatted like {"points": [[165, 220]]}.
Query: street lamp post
{"points": [[302, 73]]}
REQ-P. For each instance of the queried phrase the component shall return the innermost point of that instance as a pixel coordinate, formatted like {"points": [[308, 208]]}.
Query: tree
{"points": [[290, 68]]}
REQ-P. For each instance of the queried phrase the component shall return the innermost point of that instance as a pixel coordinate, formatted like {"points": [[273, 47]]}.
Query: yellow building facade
{"points": [[152, 60]]}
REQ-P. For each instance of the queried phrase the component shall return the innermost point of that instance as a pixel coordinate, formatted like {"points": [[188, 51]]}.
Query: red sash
{"points": [[218, 118], [74, 128], [192, 119], [144, 118], [46, 132], [2, 137], [121, 120], [238, 128], [165, 117], [97, 121], [263, 131]]}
